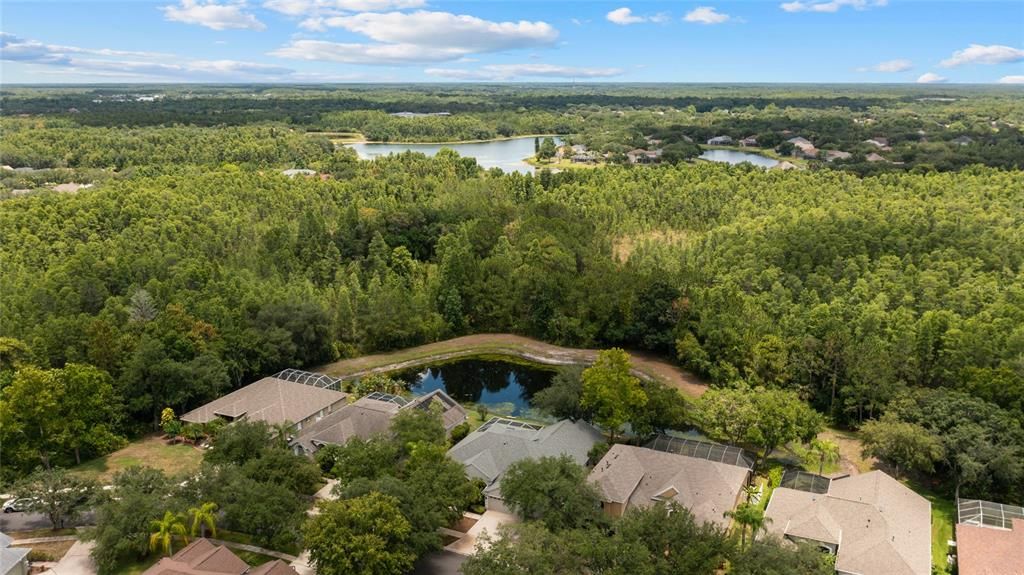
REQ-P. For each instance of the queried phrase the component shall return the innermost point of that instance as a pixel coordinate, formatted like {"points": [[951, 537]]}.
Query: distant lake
{"points": [[734, 157], [506, 388], [505, 154]]}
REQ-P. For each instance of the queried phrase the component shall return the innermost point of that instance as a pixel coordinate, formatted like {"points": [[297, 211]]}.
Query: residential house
{"points": [[584, 158], [201, 557], [783, 166], [800, 142], [629, 476], [963, 140], [371, 415], [13, 560], [880, 143], [490, 450], [299, 172], [833, 155], [292, 396], [749, 142], [989, 538], [70, 188], [641, 156], [873, 157], [872, 523], [720, 141]]}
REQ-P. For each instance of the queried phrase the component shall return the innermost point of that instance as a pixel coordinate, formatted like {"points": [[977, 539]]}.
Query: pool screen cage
{"points": [[804, 481], [987, 513], [309, 378], [721, 453]]}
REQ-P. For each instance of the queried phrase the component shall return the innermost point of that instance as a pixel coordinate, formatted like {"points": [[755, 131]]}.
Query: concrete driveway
{"points": [[488, 522], [75, 562]]}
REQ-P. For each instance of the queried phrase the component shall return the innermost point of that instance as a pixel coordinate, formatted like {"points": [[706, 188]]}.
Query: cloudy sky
{"points": [[46, 41]]}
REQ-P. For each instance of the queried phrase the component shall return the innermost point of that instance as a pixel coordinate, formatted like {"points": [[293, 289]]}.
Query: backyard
{"points": [[152, 451]]}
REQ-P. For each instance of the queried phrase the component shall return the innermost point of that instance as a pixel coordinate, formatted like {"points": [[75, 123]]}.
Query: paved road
{"points": [[30, 521], [440, 563]]}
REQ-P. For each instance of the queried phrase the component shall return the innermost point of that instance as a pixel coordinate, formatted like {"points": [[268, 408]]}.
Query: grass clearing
{"points": [[50, 551], [151, 450], [35, 533], [943, 520]]}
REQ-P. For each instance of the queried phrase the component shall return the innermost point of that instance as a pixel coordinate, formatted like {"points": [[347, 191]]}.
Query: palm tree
{"points": [[747, 515], [824, 451], [280, 432], [165, 530], [202, 517]]}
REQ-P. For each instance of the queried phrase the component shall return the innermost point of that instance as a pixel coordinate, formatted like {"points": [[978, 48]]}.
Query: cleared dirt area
{"points": [[644, 366]]}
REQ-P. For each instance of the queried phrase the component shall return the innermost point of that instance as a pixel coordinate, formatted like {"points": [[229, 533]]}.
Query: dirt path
{"points": [[644, 366], [850, 457]]}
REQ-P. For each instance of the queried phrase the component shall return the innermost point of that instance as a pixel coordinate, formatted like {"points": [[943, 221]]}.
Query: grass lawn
{"points": [[943, 520], [52, 551], [150, 450], [34, 533]]}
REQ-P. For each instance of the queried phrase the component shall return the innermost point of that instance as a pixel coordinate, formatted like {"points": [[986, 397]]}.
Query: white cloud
{"points": [[375, 54], [504, 72], [625, 17], [889, 66], [705, 15], [131, 64], [931, 78], [307, 7], [1012, 80], [831, 5], [978, 54], [212, 15], [417, 37]]}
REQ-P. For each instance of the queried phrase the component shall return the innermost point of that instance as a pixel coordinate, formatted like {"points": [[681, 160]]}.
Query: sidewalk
{"points": [[75, 562]]}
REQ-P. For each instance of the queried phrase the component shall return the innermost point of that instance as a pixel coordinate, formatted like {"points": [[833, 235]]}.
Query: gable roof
{"points": [[638, 476], [372, 415], [200, 557], [275, 567], [880, 526], [990, 550], [270, 399], [10, 556], [490, 450]]}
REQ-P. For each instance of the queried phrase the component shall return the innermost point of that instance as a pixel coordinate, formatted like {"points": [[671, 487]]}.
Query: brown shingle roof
{"points": [[639, 476], [990, 550], [275, 567], [880, 526], [200, 558], [269, 399]]}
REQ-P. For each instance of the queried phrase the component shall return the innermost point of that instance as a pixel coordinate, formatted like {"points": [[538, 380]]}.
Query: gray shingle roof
{"points": [[880, 525], [270, 399], [370, 416], [638, 477], [488, 453]]}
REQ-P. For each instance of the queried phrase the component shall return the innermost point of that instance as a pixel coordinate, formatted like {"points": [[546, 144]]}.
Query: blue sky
{"points": [[434, 41]]}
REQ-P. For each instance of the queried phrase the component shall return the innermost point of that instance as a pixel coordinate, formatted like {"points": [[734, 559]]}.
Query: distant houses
{"points": [[749, 142], [963, 140], [833, 155], [803, 147], [407, 115], [642, 156], [874, 157], [487, 452], [629, 476], [299, 172], [880, 143], [720, 141], [872, 523]]}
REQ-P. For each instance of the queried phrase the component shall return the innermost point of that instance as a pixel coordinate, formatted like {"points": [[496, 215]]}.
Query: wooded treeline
{"points": [[183, 279]]}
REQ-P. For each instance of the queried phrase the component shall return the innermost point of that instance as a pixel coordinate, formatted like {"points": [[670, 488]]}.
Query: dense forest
{"points": [[194, 267]]}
